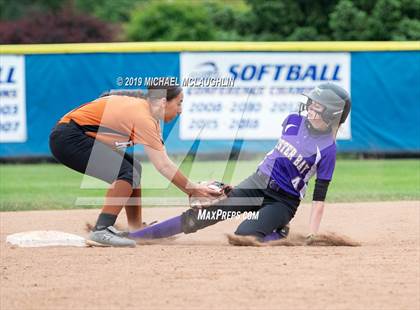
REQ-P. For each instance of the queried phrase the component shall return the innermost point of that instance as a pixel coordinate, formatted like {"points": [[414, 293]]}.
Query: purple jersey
{"points": [[299, 155]]}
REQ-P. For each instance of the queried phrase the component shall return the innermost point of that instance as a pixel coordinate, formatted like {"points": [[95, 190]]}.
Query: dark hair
{"points": [[159, 92], [155, 92], [128, 92]]}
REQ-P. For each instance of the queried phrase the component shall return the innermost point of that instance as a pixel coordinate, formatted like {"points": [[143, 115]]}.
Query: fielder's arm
{"points": [[169, 170]]}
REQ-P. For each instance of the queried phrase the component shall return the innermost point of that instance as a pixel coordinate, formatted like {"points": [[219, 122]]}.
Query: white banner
{"points": [[267, 87], [12, 99]]}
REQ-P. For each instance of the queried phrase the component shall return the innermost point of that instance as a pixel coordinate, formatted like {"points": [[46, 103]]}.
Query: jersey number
{"points": [[295, 182]]}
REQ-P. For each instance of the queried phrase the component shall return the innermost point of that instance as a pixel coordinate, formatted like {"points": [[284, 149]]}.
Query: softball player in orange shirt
{"points": [[88, 139]]}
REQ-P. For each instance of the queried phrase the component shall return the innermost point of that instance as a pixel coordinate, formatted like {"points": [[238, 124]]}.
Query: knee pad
{"points": [[189, 221]]}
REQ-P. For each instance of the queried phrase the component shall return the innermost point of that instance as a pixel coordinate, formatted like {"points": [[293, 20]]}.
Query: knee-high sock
{"points": [[165, 229]]}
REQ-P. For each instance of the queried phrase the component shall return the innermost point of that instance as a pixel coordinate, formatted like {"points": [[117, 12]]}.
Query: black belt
{"points": [[74, 124], [272, 184], [71, 123]]}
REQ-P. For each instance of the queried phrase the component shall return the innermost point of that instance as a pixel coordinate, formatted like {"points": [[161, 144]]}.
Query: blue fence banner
{"points": [[36, 90], [267, 87], [12, 99]]}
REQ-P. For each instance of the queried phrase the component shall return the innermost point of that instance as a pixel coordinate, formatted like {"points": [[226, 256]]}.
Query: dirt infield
{"points": [[202, 271]]}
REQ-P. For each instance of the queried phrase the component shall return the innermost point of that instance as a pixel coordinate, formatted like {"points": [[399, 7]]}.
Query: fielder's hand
{"points": [[204, 190], [214, 190]]}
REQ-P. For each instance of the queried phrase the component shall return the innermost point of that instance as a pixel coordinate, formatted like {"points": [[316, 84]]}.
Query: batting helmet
{"points": [[335, 100]]}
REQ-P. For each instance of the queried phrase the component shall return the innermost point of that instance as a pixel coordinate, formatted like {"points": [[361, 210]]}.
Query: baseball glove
{"points": [[201, 202]]}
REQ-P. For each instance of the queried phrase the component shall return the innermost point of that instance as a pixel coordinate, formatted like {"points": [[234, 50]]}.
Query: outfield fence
{"points": [[40, 83]]}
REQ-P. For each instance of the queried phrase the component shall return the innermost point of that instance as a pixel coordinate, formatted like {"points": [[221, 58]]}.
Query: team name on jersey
{"points": [[289, 151]]}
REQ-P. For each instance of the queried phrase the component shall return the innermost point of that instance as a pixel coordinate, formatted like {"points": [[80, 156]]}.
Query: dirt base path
{"points": [[202, 271]]}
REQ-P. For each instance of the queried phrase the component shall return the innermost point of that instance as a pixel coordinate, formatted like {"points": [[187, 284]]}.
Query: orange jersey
{"points": [[118, 119]]}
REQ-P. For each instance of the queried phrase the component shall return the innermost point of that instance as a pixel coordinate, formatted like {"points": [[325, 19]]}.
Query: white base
{"points": [[44, 238]]}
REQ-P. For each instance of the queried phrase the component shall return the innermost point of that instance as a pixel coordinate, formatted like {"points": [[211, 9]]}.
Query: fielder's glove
{"points": [[198, 202]]}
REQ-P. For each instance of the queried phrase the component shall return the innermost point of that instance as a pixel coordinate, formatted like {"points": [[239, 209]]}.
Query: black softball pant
{"points": [[73, 148], [275, 210]]}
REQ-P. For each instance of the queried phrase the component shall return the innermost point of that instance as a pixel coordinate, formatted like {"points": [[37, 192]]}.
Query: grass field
{"points": [[52, 186]]}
